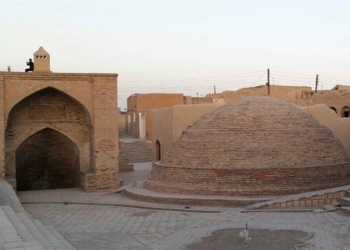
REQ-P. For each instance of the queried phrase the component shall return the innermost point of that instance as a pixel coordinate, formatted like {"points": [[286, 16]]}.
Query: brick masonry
{"points": [[264, 181], [81, 107], [314, 201], [254, 146]]}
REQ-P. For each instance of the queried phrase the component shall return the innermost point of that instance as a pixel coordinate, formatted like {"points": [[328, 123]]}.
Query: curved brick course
{"points": [[254, 146], [265, 181]]}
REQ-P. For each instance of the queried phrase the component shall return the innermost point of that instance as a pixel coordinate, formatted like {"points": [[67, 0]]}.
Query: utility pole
{"points": [[316, 83], [214, 90], [268, 81]]}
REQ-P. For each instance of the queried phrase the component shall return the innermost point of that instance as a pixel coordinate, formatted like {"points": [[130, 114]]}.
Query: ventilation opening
{"points": [[334, 109]]}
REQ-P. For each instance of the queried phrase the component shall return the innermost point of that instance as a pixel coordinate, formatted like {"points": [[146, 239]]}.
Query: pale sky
{"points": [[183, 46]]}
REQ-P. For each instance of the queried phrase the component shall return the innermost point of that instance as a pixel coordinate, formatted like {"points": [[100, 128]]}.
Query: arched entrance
{"points": [[345, 112], [47, 160], [45, 130], [158, 152]]}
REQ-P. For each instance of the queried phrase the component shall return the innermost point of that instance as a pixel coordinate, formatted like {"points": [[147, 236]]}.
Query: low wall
{"points": [[247, 182]]}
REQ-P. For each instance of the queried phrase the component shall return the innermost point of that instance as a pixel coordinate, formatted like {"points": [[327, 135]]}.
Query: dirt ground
{"points": [[260, 240]]}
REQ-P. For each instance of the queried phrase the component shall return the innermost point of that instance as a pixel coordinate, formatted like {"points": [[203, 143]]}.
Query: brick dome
{"points": [[253, 146]]}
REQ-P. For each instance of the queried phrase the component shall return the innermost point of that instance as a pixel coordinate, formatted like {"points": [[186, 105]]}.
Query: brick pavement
{"points": [[104, 226], [110, 227]]}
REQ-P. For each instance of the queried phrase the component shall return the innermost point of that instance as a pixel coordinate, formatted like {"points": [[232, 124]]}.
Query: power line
{"points": [[231, 82], [288, 73], [258, 79], [201, 79]]}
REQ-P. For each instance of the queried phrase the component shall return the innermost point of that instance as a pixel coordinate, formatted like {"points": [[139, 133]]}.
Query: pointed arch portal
{"points": [[47, 160], [48, 141]]}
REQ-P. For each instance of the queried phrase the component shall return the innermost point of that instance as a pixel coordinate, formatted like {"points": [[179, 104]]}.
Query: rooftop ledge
{"points": [[34, 74]]}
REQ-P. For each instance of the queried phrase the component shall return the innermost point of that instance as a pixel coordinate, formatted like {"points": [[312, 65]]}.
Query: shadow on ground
{"points": [[260, 240]]}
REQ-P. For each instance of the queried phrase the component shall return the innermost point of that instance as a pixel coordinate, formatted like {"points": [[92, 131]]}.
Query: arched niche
{"points": [[47, 160], [52, 109], [345, 111]]}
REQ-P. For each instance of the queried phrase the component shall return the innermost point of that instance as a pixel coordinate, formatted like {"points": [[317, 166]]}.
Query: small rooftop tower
{"points": [[41, 61]]}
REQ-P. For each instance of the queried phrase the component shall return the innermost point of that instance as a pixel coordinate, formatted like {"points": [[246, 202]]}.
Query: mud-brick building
{"points": [[58, 130], [139, 120], [336, 99]]}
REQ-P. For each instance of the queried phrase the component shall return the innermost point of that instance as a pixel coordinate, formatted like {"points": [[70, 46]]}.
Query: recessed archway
{"points": [[47, 160], [345, 112], [53, 110], [158, 152]]}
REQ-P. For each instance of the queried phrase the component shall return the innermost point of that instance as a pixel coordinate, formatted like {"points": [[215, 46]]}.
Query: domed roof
{"points": [[256, 132], [254, 146]]}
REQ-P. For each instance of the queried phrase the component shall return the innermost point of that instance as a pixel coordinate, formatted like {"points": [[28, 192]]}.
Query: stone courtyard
{"points": [[111, 220]]}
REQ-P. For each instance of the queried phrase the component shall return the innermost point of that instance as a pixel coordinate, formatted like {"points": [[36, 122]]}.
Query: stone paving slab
{"points": [[10, 237], [258, 239], [109, 227]]}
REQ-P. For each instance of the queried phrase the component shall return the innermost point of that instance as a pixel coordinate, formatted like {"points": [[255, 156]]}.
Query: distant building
{"points": [[139, 106], [337, 99]]}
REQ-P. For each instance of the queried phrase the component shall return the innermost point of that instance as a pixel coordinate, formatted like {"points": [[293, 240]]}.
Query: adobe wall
{"points": [[337, 99], [162, 130], [121, 121], [287, 93], [327, 117], [96, 136], [144, 103], [170, 123], [147, 102]]}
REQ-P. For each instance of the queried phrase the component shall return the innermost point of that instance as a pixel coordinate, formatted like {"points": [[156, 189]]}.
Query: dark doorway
{"points": [[47, 160], [158, 153], [346, 112]]}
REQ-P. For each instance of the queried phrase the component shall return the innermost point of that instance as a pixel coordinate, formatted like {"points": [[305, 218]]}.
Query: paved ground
{"points": [[141, 172], [117, 227], [262, 239]]}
